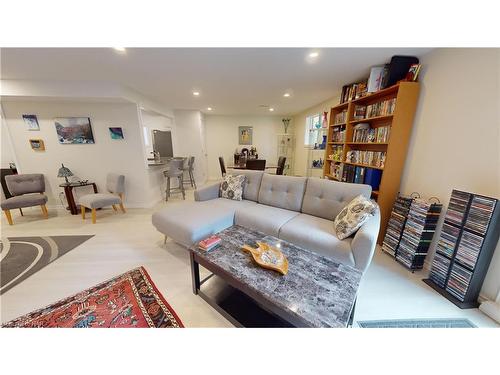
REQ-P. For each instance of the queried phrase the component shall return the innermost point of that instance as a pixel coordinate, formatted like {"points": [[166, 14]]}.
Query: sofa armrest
{"points": [[207, 192], [364, 242]]}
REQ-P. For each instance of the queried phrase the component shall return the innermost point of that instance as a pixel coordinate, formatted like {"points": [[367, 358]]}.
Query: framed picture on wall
{"points": [[37, 144], [74, 130], [31, 121], [245, 134], [116, 133]]}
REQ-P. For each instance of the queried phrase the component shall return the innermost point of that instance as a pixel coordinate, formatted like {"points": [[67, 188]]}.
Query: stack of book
{"points": [[354, 91], [365, 134], [396, 224], [209, 243], [368, 158], [336, 154], [336, 170], [348, 173], [340, 118], [382, 108], [359, 112], [418, 233]]}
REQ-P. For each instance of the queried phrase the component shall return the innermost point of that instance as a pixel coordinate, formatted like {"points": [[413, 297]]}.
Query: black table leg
{"points": [[195, 273]]}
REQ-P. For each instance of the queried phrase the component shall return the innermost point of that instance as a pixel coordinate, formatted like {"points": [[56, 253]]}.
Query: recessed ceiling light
{"points": [[209, 108], [271, 109], [196, 93], [119, 49], [286, 94], [313, 55]]}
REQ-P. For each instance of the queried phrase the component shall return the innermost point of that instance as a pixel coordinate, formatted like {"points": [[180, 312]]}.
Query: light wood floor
{"points": [[125, 241]]}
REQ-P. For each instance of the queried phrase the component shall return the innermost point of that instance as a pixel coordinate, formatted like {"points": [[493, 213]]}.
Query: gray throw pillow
{"points": [[232, 187], [353, 216]]}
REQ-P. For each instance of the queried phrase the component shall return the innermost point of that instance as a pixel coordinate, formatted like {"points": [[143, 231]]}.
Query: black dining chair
{"points": [[281, 165], [222, 166], [256, 164]]}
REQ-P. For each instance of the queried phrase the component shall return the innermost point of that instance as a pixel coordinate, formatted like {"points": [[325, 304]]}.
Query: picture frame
{"points": [[245, 135], [37, 144], [32, 122], [116, 133], [74, 130]]}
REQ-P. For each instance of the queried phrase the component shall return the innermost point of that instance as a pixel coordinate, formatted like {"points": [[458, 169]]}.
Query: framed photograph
{"points": [[116, 133], [74, 130], [37, 144], [31, 121], [245, 134]]}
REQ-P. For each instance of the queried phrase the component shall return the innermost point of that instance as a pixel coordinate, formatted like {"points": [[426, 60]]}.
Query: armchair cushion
{"points": [[99, 200], [26, 200]]}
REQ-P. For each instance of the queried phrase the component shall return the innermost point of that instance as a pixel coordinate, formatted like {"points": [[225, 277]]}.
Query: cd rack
{"points": [[466, 245]]}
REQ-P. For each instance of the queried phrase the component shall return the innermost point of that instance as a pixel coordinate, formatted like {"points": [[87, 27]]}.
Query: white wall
{"points": [[222, 138], [455, 140], [190, 141], [91, 162]]}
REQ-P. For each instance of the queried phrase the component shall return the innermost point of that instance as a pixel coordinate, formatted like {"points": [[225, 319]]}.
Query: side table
{"points": [[68, 191]]}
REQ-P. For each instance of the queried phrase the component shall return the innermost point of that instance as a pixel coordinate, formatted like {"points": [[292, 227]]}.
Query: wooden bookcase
{"points": [[400, 122]]}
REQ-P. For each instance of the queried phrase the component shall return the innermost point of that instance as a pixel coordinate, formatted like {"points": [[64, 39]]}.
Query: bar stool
{"points": [[189, 168], [175, 170]]}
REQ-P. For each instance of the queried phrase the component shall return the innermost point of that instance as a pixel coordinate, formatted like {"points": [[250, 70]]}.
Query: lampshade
{"points": [[64, 172]]}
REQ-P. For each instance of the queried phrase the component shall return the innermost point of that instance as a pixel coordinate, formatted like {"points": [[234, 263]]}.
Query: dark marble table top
{"points": [[319, 291]]}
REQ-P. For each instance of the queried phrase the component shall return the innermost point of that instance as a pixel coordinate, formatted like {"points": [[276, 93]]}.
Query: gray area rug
{"points": [[21, 257], [418, 323]]}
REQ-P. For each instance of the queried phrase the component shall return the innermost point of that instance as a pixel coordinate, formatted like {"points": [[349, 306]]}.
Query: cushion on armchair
{"points": [[353, 216]]}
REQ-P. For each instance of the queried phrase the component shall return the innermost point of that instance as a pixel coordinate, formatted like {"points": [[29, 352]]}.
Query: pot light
{"points": [[313, 55], [119, 49], [209, 108], [196, 93], [286, 94], [271, 109]]}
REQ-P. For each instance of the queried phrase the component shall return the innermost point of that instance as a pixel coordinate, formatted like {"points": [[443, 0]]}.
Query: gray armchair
{"points": [[27, 191], [115, 184]]}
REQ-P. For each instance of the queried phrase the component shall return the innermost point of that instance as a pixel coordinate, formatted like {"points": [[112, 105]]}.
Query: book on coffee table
{"points": [[209, 243]]}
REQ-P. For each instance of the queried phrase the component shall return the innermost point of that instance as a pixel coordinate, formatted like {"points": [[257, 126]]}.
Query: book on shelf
{"points": [[354, 91], [383, 108], [363, 133], [359, 112], [336, 154], [340, 118], [368, 158], [348, 173], [209, 243], [378, 76], [359, 175], [373, 178], [412, 75], [338, 134]]}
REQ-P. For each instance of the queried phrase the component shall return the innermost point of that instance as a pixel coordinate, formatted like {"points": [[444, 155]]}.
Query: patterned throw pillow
{"points": [[232, 187], [353, 216]]}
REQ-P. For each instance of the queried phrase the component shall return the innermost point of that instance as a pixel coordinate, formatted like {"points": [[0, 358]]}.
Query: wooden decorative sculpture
{"points": [[268, 257]]}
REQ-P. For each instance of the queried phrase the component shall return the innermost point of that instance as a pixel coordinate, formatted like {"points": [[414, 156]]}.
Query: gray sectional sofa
{"points": [[299, 210]]}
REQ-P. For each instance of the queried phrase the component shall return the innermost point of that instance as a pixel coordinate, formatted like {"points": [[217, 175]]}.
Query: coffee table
{"points": [[316, 292]]}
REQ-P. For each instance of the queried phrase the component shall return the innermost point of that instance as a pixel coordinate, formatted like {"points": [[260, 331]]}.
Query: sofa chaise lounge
{"points": [[299, 210]]}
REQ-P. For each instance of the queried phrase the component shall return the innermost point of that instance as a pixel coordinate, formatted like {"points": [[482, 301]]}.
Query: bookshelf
{"points": [[466, 245], [399, 122]]}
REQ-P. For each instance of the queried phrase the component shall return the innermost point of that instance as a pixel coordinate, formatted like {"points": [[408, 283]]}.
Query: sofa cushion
{"points": [[316, 234], [26, 200], [190, 222], [282, 191], [353, 216], [251, 186], [326, 198], [231, 187], [263, 218]]}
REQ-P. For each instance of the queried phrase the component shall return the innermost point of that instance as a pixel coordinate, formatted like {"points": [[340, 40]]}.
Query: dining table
{"points": [[245, 167]]}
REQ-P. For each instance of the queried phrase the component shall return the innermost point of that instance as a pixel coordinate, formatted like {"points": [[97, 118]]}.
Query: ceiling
{"points": [[230, 80]]}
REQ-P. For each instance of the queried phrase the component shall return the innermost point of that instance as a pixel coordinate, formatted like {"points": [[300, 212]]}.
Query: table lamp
{"points": [[64, 172]]}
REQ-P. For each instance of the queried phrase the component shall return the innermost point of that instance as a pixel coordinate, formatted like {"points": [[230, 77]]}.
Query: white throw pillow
{"points": [[232, 187], [353, 216]]}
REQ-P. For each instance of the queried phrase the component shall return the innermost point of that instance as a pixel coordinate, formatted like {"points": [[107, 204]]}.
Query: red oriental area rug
{"points": [[128, 300]]}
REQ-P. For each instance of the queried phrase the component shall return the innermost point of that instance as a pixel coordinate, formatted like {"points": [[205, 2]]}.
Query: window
{"points": [[313, 125]]}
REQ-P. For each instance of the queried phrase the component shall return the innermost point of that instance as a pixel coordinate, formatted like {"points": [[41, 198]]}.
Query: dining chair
{"points": [[115, 184], [27, 190], [256, 164], [222, 166], [175, 171], [281, 165]]}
